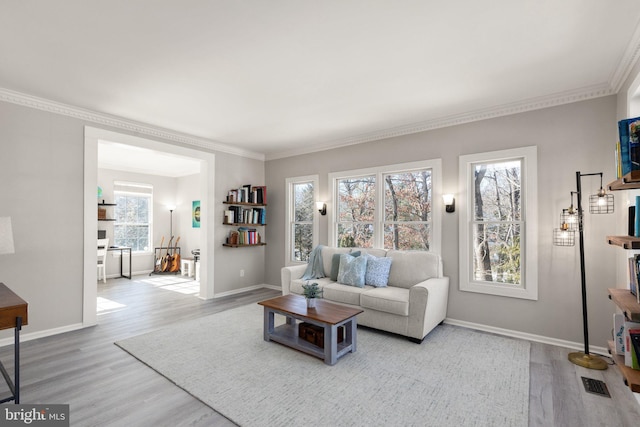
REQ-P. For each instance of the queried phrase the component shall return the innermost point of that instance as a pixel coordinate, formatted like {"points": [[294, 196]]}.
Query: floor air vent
{"points": [[595, 386]]}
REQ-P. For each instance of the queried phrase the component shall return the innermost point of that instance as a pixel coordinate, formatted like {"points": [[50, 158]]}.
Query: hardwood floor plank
{"points": [[105, 386]]}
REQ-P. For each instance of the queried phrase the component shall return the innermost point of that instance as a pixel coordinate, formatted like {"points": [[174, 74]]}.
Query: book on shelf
{"points": [[229, 216], [628, 356], [618, 332], [628, 147], [633, 274], [634, 338], [260, 195]]}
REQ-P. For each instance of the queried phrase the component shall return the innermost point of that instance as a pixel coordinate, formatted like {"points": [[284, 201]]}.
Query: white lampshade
{"points": [[6, 236]]}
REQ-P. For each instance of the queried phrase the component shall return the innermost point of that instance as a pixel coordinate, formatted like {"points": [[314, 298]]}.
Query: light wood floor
{"points": [[107, 387]]}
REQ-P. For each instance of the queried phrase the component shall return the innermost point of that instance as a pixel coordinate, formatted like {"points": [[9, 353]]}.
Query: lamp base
{"points": [[589, 361]]}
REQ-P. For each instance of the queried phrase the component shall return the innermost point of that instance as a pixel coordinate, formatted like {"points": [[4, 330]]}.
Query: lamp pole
{"points": [[171, 223], [584, 359]]}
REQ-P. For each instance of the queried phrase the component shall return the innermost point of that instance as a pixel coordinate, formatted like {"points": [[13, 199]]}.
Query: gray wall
{"points": [[41, 167], [574, 137], [229, 261]]}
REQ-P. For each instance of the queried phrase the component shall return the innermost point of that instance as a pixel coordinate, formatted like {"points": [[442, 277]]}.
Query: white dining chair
{"points": [[103, 245]]}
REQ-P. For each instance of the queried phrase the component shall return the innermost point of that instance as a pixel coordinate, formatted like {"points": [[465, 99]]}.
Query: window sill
{"points": [[510, 291]]}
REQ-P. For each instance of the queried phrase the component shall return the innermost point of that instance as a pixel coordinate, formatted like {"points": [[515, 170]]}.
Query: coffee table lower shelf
{"points": [[287, 334]]}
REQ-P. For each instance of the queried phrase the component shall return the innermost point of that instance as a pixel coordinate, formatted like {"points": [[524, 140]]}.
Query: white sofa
{"points": [[413, 303]]}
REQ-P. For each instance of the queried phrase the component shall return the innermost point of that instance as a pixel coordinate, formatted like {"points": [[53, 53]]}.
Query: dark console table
{"points": [[13, 314], [122, 250]]}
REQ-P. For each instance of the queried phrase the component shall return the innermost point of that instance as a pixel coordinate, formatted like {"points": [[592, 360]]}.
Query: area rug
{"points": [[456, 377]]}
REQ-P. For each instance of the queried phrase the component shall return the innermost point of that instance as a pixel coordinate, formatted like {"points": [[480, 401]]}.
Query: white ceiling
{"points": [[124, 157], [277, 77]]}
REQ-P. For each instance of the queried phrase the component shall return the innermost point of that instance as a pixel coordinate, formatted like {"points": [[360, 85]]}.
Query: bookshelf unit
{"points": [[246, 209], [623, 298]]}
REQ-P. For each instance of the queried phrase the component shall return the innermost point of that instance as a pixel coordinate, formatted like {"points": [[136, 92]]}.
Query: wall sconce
{"points": [[449, 202], [322, 207]]}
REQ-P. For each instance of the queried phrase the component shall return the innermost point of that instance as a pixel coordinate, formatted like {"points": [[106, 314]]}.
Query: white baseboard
{"points": [[135, 273], [41, 334], [526, 336]]}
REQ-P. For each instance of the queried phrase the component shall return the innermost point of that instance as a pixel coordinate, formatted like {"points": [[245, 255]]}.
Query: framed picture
{"points": [[195, 214]]}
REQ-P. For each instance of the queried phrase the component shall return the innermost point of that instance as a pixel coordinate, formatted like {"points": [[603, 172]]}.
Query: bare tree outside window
{"points": [[404, 217], [132, 227], [356, 208], [498, 222], [302, 226], [407, 210]]}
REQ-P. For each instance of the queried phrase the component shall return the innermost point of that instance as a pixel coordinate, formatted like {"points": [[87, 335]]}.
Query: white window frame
{"points": [[289, 194], [378, 237], [528, 289], [121, 188]]}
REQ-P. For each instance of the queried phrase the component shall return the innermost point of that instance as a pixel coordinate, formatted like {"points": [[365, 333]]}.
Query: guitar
{"points": [[175, 259], [166, 259], [159, 259]]}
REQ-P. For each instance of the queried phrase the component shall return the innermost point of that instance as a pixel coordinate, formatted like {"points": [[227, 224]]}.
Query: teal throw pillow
{"points": [[352, 270], [335, 265], [377, 273]]}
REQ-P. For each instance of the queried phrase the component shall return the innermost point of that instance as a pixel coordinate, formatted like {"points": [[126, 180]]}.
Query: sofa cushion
{"points": [[372, 251], [327, 258], [412, 267], [352, 270], [296, 285], [343, 293], [390, 300], [377, 273]]}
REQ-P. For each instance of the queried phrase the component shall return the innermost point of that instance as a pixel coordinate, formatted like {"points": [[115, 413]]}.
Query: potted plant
{"points": [[311, 292]]}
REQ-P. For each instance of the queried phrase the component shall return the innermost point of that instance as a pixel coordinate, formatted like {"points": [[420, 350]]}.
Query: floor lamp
{"points": [[570, 220]]}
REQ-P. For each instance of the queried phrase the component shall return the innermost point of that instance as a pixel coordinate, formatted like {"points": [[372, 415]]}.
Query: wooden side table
{"points": [[13, 314]]}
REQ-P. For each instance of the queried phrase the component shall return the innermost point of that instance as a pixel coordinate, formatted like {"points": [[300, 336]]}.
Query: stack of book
{"points": [[248, 194], [240, 215], [627, 340]]}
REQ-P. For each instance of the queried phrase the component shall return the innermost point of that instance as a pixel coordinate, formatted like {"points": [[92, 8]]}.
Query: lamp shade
{"points": [[6, 236]]}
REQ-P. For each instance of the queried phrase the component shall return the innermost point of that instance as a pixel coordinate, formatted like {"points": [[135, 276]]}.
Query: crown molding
{"points": [[532, 104], [30, 101], [538, 103], [627, 62]]}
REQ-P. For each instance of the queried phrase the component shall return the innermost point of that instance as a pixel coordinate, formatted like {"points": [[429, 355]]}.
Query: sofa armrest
{"points": [[427, 306], [287, 274]]}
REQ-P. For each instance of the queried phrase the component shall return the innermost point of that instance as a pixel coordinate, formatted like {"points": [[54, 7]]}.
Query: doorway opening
{"points": [[94, 137]]}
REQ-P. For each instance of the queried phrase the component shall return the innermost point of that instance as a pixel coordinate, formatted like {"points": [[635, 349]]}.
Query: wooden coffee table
{"points": [[327, 315]]}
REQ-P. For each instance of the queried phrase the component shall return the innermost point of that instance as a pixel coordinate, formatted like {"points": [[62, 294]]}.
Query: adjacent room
{"points": [[320, 213]]}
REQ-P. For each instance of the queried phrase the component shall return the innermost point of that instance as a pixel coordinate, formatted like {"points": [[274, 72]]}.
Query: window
{"points": [[302, 230], [133, 215], [498, 225], [390, 207], [356, 209], [407, 210]]}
